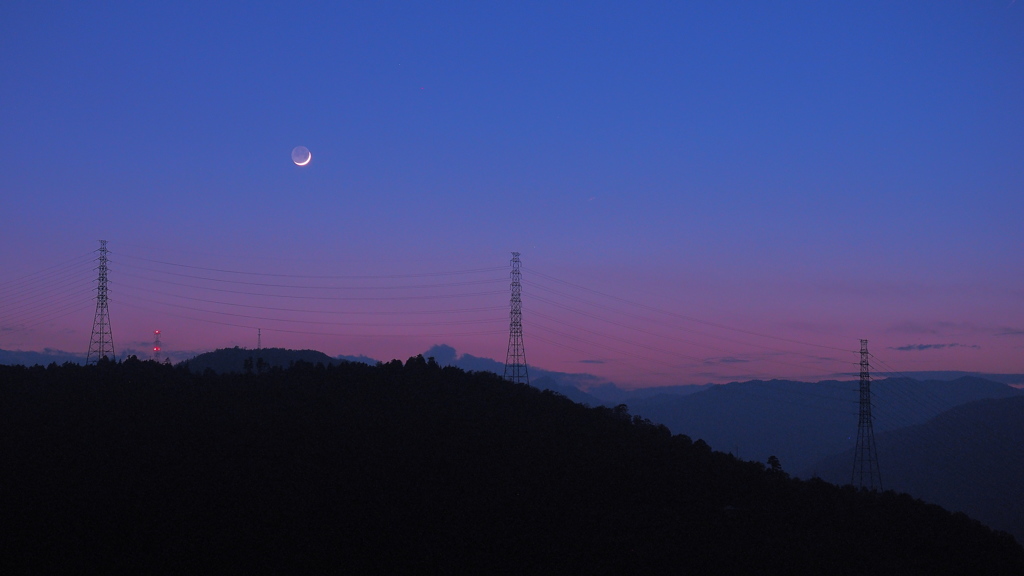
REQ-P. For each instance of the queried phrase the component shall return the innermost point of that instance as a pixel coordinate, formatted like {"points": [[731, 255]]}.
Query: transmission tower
{"points": [[156, 345], [865, 457], [101, 343], [515, 360]]}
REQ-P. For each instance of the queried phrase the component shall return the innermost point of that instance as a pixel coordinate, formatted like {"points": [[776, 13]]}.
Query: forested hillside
{"points": [[245, 360], [413, 468]]}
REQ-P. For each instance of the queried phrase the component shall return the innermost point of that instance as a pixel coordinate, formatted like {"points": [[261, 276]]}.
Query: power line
{"points": [[317, 311], [320, 322], [76, 261], [323, 277], [682, 316], [316, 333], [310, 297], [681, 340], [321, 287]]}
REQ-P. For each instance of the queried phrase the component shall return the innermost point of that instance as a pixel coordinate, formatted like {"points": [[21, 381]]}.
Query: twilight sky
{"points": [[701, 191]]}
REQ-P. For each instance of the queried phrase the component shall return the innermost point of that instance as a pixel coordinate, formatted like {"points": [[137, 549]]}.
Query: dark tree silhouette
{"points": [[411, 467]]}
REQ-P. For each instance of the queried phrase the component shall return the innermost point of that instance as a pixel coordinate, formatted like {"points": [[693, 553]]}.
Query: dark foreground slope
{"points": [[398, 469]]}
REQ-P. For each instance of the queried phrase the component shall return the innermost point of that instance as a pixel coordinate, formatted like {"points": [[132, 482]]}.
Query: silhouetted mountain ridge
{"points": [[416, 468], [228, 360]]}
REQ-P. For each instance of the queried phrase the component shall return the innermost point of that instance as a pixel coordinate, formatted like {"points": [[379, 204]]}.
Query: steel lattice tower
{"points": [[865, 457], [101, 343], [515, 360]]}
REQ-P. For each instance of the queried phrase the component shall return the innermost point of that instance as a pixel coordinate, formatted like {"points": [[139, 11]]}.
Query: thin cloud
{"points": [[920, 347], [726, 360], [591, 361]]}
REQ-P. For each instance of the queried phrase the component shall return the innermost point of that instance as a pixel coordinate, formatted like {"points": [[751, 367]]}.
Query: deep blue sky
{"points": [[821, 171]]}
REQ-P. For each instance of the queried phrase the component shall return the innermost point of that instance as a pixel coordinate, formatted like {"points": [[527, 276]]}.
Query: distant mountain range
{"points": [[43, 358], [953, 443], [1015, 379], [802, 422], [968, 459]]}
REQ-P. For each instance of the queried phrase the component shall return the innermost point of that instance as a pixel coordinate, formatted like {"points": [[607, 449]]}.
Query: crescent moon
{"points": [[301, 155]]}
